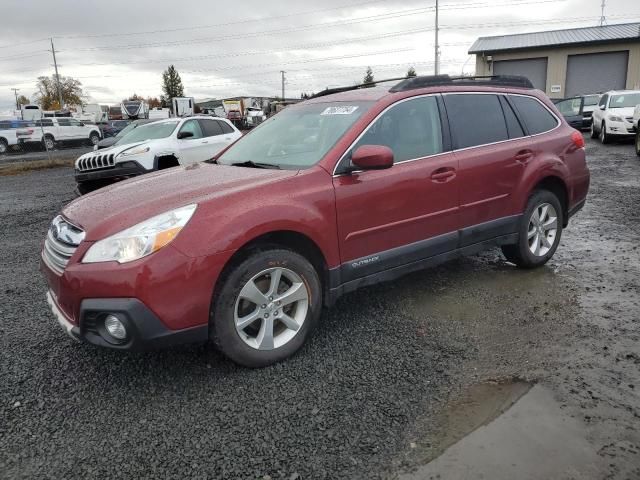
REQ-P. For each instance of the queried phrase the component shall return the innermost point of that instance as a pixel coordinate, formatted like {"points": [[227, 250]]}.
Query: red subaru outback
{"points": [[341, 191]]}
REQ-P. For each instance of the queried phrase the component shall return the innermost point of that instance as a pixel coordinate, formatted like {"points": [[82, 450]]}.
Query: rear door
{"points": [[389, 218], [192, 149], [492, 150], [213, 136]]}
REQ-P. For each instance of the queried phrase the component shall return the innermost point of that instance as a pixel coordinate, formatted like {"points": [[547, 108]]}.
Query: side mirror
{"points": [[601, 107], [182, 135], [372, 157]]}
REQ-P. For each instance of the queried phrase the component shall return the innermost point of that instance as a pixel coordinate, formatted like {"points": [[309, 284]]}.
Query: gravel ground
{"points": [[33, 153], [370, 396]]}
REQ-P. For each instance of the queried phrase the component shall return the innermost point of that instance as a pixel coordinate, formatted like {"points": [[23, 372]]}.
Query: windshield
{"points": [[126, 129], [152, 131], [590, 100], [297, 137], [625, 100]]}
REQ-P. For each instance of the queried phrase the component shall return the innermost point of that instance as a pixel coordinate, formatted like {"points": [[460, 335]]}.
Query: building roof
{"points": [[556, 38]]}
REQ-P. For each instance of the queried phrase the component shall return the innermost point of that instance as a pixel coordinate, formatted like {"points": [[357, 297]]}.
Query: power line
{"points": [[25, 43]]}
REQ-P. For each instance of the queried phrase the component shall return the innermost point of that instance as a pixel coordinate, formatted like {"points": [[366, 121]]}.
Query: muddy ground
{"points": [[470, 370]]}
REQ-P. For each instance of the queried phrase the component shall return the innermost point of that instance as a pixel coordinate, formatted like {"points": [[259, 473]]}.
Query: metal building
{"points": [[564, 63]]}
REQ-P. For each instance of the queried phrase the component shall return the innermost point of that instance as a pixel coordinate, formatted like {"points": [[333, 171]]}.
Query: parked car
{"points": [[636, 126], [50, 131], [113, 127], [578, 110], [111, 141], [8, 136], [614, 115], [339, 192], [156, 146]]}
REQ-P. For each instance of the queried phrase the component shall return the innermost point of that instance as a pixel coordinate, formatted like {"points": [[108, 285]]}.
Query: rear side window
{"points": [[536, 117], [475, 119], [44, 123], [226, 128], [63, 122], [210, 128], [513, 124], [411, 129]]}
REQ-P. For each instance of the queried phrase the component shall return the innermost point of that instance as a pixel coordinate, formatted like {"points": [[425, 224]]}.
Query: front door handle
{"points": [[523, 156], [442, 175], [205, 141]]}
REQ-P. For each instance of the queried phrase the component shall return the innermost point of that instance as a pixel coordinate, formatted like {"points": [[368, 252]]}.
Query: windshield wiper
{"points": [[251, 164]]}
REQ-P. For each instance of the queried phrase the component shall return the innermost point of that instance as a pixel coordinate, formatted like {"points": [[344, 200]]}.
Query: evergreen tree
{"points": [[411, 72], [171, 85], [368, 78]]}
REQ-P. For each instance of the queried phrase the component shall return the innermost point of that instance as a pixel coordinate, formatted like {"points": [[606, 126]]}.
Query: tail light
{"points": [[577, 139], [24, 131]]}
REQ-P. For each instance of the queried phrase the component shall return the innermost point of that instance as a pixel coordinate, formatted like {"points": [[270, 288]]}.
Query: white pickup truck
{"points": [[49, 131], [8, 137]]}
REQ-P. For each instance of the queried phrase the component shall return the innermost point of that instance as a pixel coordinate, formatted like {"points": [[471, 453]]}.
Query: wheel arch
{"points": [[288, 239], [558, 187]]}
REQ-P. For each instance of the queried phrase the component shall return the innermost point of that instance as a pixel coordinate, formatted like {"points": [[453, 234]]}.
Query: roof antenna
{"points": [[603, 19]]}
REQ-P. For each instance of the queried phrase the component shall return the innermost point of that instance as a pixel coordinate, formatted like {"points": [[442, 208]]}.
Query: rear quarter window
{"points": [[535, 116]]}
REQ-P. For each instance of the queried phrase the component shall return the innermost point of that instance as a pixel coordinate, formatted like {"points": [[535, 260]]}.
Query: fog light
{"points": [[114, 327]]}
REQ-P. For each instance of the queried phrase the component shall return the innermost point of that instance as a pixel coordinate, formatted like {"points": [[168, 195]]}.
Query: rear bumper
{"points": [[144, 330]]}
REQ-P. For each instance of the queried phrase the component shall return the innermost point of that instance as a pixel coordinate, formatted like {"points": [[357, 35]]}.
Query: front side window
{"points": [[603, 101], [73, 123], [297, 137], [152, 131], [625, 100], [194, 127], [475, 119], [411, 129], [535, 116], [590, 100]]}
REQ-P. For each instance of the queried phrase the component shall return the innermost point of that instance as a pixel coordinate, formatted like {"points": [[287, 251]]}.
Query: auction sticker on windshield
{"points": [[339, 110]]}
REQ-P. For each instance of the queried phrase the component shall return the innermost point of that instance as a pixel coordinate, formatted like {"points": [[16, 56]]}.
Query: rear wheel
{"points": [[49, 142], [266, 308], [604, 137], [4, 146], [539, 233]]}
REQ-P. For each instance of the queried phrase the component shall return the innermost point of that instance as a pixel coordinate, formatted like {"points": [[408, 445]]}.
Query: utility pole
{"points": [[55, 64], [437, 49], [15, 91], [282, 72], [603, 19]]}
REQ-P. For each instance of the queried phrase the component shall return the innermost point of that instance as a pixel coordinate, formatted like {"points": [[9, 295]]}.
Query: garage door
{"points": [[535, 69], [596, 72]]}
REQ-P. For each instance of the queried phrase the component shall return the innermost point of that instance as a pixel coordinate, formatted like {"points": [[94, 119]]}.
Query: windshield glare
{"points": [[591, 100], [152, 131], [297, 137], [625, 100]]}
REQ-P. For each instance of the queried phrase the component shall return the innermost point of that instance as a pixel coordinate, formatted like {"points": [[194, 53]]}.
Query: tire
{"points": [[521, 253], [4, 146], [94, 138], [638, 140], [604, 137], [48, 142], [244, 345], [594, 134]]}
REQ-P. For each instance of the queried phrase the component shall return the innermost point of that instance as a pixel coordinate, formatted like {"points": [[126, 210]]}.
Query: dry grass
{"points": [[23, 167]]}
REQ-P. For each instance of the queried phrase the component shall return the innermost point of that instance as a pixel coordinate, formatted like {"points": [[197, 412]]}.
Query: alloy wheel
{"points": [[603, 134], [271, 308], [542, 230], [3, 147], [49, 143]]}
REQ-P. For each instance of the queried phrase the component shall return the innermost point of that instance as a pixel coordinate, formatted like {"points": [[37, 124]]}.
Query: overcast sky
{"points": [[223, 49]]}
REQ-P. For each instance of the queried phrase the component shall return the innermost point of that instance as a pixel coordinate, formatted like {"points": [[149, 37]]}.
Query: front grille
{"points": [[96, 162], [62, 240], [587, 114]]}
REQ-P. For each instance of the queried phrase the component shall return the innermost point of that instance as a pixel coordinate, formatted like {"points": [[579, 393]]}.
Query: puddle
{"points": [[504, 431]]}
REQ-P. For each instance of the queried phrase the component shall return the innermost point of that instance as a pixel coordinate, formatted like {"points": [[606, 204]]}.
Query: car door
{"points": [[492, 151], [598, 113], [571, 110], [389, 218], [214, 136], [77, 130], [192, 149], [62, 129]]}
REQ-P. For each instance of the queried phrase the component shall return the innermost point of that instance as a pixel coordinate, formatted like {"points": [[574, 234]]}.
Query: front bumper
{"points": [[144, 330], [119, 171], [621, 129]]}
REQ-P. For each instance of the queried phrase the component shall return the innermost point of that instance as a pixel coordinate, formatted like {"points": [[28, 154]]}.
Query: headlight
{"points": [[615, 118], [134, 151], [142, 239]]}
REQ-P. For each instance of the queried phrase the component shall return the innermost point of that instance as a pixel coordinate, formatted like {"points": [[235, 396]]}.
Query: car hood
{"points": [[124, 204], [624, 111], [115, 149]]}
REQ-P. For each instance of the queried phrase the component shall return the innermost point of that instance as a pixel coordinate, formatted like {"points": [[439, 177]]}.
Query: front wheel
{"points": [[266, 307], [49, 142], [604, 137], [94, 138], [539, 233], [4, 146], [638, 141], [594, 134]]}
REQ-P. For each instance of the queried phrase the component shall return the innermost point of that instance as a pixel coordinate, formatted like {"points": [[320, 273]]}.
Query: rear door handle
{"points": [[442, 175], [523, 156]]}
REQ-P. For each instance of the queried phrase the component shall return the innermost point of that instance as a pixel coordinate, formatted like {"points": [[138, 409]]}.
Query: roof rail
{"points": [[485, 80], [330, 91]]}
